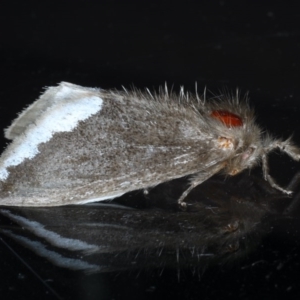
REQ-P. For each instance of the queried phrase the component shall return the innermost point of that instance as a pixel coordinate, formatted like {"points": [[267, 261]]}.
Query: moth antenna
{"points": [[150, 94], [124, 89]]}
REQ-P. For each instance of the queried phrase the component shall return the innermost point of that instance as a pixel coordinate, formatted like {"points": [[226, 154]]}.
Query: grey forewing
{"points": [[121, 148]]}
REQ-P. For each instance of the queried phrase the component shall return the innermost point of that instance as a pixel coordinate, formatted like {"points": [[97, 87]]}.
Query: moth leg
{"points": [[285, 146], [198, 179], [186, 192], [269, 178]]}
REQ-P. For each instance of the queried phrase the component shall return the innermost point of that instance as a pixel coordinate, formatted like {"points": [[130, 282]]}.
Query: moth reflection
{"points": [[224, 221]]}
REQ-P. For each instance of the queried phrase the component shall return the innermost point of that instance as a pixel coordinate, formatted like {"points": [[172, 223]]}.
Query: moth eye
{"points": [[227, 118]]}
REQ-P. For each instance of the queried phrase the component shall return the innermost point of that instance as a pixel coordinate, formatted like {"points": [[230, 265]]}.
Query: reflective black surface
{"points": [[218, 44]]}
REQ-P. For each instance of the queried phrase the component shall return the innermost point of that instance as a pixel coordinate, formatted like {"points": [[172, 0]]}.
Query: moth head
{"points": [[241, 136]]}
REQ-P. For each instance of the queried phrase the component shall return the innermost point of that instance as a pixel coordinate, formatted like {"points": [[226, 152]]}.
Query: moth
{"points": [[76, 145]]}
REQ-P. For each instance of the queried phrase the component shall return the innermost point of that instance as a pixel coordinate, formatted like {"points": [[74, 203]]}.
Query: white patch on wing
{"points": [[50, 236], [69, 106]]}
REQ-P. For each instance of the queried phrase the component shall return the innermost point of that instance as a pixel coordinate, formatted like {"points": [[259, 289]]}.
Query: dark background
{"points": [[251, 45]]}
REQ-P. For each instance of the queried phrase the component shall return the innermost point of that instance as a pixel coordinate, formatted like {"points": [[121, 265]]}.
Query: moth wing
{"points": [[123, 144]]}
